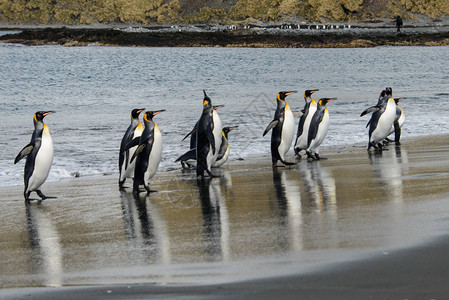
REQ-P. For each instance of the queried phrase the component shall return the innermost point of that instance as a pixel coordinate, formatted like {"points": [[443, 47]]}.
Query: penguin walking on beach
{"points": [[126, 168], [319, 126], [283, 126], [39, 154], [188, 159], [208, 138], [304, 122], [223, 152], [381, 120], [148, 152], [398, 122]]}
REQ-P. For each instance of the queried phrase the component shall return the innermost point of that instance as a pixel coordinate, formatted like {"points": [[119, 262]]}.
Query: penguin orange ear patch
{"points": [[205, 102]]}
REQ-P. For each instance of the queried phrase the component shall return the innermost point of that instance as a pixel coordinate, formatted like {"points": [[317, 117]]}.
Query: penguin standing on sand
{"points": [[39, 154], [208, 138], [304, 122], [398, 122], [283, 126], [148, 153], [188, 159], [134, 130], [319, 126], [223, 153], [381, 120]]}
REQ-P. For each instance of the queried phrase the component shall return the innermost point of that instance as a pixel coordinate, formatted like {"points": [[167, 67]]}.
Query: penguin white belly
{"points": [[384, 123], [155, 156], [220, 162], [288, 131], [323, 127], [302, 140], [217, 132], [400, 122], [42, 163], [129, 172]]}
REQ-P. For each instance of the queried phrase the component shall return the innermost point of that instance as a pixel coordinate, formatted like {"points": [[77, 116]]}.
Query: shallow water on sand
{"points": [[252, 222], [93, 89]]}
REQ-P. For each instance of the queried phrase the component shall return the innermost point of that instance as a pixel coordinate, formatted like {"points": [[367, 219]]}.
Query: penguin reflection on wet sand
{"points": [[208, 138], [302, 134], [319, 126], [39, 153], [148, 153], [134, 130], [283, 126], [382, 119]]}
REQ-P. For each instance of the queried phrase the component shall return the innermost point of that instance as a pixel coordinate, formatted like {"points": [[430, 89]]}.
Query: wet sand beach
{"points": [[353, 226]]}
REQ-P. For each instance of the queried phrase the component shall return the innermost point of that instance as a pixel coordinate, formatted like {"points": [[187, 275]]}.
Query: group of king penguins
{"points": [[141, 146], [387, 117]]}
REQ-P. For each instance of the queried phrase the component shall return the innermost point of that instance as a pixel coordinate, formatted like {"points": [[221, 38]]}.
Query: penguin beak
{"points": [[233, 127], [218, 106], [48, 112], [158, 112], [313, 91], [399, 99], [140, 110], [289, 93]]}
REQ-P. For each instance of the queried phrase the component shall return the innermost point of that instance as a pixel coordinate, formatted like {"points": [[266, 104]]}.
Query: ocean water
{"points": [[93, 90]]}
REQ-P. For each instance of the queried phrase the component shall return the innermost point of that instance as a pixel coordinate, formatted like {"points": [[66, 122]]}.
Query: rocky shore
{"points": [[315, 36]]}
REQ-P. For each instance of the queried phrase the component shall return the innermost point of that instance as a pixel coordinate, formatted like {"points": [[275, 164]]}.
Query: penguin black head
{"points": [[227, 129], [207, 103], [40, 115], [308, 93], [324, 101], [383, 93], [388, 91], [283, 95], [136, 112], [396, 100], [148, 116]]}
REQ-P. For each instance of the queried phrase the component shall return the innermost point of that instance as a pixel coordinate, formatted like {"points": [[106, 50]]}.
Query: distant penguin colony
{"points": [[141, 146]]}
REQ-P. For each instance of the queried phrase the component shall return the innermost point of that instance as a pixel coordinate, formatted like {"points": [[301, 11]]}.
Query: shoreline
{"points": [[254, 38], [408, 187]]}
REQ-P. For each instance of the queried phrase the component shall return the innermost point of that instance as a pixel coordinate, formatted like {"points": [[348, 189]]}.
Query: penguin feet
{"points": [[147, 188], [43, 197], [121, 185]]}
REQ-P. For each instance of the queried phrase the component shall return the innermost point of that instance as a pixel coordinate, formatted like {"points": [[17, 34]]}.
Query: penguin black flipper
{"points": [[270, 126], [133, 143], [24, 152], [191, 154], [148, 142], [192, 131], [397, 132], [210, 136], [370, 110], [313, 130]]}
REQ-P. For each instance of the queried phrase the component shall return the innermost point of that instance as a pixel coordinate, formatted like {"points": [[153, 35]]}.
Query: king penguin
{"points": [[223, 153], [381, 121], [283, 126], [39, 154], [134, 130], [319, 126], [148, 153], [188, 159], [208, 138], [304, 122]]}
